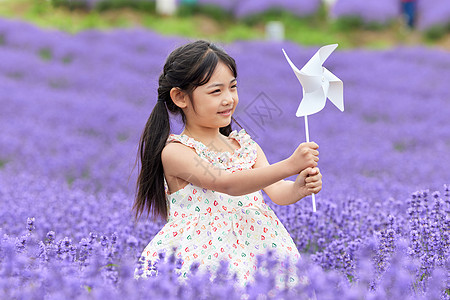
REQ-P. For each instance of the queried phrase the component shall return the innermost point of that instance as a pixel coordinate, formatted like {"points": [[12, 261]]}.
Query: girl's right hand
{"points": [[305, 156]]}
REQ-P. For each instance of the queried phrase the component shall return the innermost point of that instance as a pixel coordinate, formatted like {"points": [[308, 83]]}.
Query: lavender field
{"points": [[430, 13], [241, 9], [237, 8], [72, 108]]}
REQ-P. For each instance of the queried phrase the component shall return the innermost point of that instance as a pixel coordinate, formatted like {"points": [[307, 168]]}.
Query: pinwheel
{"points": [[318, 84]]}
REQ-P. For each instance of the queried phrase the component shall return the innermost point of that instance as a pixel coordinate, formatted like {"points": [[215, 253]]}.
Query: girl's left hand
{"points": [[308, 182]]}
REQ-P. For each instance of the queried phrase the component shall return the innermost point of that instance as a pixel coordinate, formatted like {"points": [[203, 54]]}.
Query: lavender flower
{"points": [[68, 147], [30, 224]]}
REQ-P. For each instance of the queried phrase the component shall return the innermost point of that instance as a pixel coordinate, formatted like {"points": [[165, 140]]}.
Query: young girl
{"points": [[206, 182]]}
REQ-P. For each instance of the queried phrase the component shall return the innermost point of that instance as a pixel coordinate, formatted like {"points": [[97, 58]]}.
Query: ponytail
{"points": [[150, 184]]}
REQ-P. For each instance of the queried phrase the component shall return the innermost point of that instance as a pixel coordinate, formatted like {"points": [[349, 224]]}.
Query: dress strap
{"points": [[246, 154], [185, 140], [243, 138]]}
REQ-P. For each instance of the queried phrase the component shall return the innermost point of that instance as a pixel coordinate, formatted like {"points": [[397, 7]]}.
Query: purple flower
{"points": [[72, 111]]}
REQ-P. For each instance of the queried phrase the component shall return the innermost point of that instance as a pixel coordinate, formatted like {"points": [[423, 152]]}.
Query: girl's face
{"points": [[215, 101]]}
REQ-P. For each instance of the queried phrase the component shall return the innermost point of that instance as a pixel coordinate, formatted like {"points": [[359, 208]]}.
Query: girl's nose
{"points": [[227, 101], [228, 98]]}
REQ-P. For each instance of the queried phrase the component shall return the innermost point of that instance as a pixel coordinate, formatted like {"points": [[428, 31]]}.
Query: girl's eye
{"points": [[215, 91], [234, 86]]}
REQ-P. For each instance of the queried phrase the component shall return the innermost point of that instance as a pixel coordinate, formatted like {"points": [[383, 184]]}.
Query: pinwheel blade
{"points": [[335, 94], [336, 90], [310, 83], [311, 103], [314, 65], [326, 51], [296, 70]]}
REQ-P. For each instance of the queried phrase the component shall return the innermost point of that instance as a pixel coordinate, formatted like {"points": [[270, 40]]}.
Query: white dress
{"points": [[207, 226]]}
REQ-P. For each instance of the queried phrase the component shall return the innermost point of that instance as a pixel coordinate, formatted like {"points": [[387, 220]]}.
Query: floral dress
{"points": [[207, 226]]}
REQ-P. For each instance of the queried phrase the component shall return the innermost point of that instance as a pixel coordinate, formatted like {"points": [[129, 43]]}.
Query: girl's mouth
{"points": [[225, 113]]}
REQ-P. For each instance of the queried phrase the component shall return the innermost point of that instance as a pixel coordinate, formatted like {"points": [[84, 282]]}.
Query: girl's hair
{"points": [[187, 67]]}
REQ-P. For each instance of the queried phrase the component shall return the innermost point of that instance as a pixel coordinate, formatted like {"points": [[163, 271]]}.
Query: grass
{"points": [[213, 24], [2, 163]]}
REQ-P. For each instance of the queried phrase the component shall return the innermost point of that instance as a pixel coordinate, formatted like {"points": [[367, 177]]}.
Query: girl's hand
{"points": [[305, 156], [308, 182]]}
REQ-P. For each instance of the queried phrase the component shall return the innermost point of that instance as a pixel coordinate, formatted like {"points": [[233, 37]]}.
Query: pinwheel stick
{"points": [[307, 140]]}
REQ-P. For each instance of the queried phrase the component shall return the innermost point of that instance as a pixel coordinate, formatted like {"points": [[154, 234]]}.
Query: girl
{"points": [[206, 182]]}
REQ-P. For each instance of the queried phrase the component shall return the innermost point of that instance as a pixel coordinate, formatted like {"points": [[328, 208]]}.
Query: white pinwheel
{"points": [[318, 83]]}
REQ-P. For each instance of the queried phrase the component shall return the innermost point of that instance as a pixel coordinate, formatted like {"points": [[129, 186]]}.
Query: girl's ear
{"points": [[179, 97]]}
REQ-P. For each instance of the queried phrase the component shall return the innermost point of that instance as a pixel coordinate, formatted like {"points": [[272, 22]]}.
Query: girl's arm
{"points": [[183, 162], [285, 192]]}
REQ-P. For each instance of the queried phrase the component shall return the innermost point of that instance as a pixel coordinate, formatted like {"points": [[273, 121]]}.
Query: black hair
{"points": [[187, 67]]}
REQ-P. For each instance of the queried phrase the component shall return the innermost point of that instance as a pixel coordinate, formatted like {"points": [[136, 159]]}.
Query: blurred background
{"points": [[78, 80], [353, 23]]}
